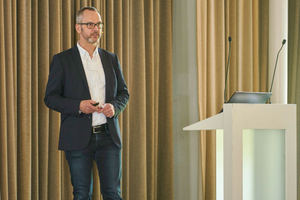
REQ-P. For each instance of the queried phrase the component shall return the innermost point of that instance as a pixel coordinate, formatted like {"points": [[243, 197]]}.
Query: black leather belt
{"points": [[99, 128]]}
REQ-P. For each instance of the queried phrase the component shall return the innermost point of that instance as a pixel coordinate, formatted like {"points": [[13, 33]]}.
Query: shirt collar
{"points": [[84, 52]]}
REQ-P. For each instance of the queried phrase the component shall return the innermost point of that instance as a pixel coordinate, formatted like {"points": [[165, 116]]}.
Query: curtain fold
{"points": [[293, 69], [247, 24], [32, 31]]}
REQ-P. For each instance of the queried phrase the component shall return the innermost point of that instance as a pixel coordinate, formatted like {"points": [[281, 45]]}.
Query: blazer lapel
{"points": [[108, 71], [79, 66]]}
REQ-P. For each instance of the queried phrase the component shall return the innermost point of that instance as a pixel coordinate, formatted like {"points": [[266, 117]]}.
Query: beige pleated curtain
{"points": [[294, 70], [31, 32], [247, 24]]}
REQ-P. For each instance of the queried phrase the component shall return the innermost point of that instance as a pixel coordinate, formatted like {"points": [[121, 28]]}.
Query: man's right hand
{"points": [[87, 107]]}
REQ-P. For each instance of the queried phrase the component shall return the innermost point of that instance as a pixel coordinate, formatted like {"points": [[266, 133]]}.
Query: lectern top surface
{"points": [[250, 97]]}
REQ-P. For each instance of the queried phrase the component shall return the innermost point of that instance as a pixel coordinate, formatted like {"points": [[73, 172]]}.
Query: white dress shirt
{"points": [[96, 80]]}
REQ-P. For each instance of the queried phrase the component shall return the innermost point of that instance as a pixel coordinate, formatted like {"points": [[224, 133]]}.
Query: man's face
{"points": [[93, 35]]}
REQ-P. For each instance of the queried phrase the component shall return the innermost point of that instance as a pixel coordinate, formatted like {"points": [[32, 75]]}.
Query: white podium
{"points": [[239, 117]]}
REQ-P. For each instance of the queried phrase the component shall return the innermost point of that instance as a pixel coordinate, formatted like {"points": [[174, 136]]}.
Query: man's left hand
{"points": [[107, 109]]}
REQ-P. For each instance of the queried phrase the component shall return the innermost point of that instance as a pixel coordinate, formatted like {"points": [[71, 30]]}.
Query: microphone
{"points": [[283, 43], [227, 68]]}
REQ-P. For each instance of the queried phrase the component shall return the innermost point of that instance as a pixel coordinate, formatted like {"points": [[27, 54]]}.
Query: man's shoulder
{"points": [[108, 53], [65, 53]]}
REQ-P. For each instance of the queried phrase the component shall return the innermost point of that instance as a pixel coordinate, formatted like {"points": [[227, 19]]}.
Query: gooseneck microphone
{"points": [[227, 69], [283, 43]]}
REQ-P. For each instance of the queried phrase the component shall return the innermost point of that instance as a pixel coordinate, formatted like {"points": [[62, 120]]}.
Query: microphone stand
{"points": [[227, 69], [283, 43]]}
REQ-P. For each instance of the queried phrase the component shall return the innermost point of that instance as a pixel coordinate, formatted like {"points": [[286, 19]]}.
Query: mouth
{"points": [[94, 37]]}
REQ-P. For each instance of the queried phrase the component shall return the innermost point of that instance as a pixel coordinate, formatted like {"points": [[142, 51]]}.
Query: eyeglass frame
{"points": [[89, 24]]}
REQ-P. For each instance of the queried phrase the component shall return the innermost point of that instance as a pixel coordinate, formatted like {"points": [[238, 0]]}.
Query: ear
{"points": [[78, 28]]}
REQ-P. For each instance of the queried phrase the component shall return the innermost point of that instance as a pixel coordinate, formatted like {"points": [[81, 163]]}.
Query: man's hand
{"points": [[108, 110], [87, 107]]}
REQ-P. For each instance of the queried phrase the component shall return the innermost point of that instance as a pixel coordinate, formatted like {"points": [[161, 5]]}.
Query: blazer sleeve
{"points": [[122, 97], [54, 95]]}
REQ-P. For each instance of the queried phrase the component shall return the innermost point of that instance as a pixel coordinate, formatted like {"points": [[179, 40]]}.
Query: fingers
{"points": [[89, 107], [86, 106], [108, 110]]}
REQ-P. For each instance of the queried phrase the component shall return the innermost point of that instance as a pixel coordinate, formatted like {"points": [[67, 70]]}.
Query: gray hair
{"points": [[80, 13]]}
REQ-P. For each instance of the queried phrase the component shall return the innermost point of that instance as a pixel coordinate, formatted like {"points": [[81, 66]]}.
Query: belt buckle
{"points": [[94, 129]]}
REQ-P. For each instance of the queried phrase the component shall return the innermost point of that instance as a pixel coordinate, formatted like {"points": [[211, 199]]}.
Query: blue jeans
{"points": [[107, 155]]}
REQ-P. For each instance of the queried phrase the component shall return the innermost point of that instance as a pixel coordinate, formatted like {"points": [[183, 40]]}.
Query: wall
{"points": [[185, 106], [278, 30]]}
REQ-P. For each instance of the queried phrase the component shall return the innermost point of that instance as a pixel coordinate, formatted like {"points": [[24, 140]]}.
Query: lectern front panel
{"points": [[263, 164]]}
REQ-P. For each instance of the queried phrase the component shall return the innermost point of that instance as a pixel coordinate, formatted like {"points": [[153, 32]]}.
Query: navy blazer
{"points": [[67, 86]]}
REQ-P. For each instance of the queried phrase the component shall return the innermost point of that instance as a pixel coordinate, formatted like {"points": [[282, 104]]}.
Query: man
{"points": [[87, 87]]}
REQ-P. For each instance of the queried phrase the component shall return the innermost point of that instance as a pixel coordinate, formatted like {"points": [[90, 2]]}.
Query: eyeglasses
{"points": [[91, 25]]}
